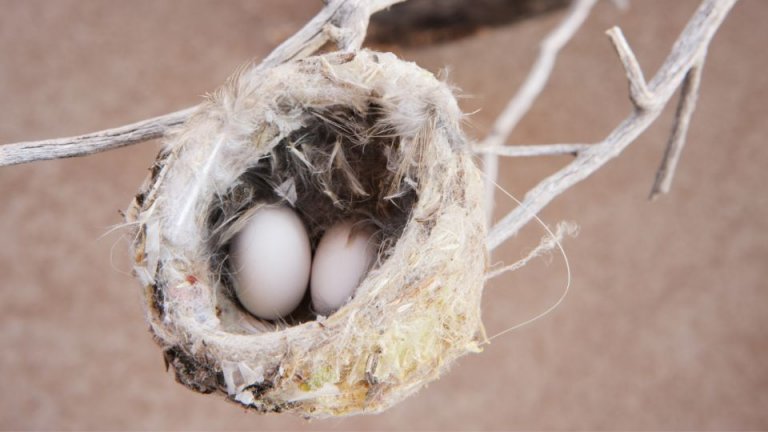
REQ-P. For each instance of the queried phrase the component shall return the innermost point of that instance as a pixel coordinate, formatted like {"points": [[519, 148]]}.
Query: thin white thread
{"points": [[112, 257], [565, 260], [198, 185], [122, 237]]}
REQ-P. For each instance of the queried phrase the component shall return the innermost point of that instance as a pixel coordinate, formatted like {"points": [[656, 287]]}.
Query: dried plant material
{"points": [[363, 135]]}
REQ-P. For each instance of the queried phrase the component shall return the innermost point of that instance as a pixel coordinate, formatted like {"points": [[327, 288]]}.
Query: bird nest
{"points": [[336, 136]]}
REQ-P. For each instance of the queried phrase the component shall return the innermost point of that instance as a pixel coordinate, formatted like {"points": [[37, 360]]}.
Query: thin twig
{"points": [[343, 22], [521, 103], [23, 152], [686, 52], [532, 150], [639, 93], [689, 94]]}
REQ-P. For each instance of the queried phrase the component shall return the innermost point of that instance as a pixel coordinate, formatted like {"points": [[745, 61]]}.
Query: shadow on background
{"points": [[423, 22]]}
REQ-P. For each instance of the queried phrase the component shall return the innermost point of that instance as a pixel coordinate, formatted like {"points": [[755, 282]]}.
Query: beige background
{"points": [[666, 326]]}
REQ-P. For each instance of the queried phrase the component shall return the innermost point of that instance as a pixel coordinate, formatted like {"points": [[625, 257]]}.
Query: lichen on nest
{"points": [[341, 135]]}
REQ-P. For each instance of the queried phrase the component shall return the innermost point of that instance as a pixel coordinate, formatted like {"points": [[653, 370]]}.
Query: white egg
{"points": [[342, 259], [271, 259]]}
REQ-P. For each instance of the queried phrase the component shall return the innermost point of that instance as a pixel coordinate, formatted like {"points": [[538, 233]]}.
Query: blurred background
{"points": [[666, 324]]}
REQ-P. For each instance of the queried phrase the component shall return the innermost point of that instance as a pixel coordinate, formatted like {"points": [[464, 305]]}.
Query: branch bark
{"points": [[521, 103], [23, 152], [343, 22], [689, 94], [689, 48], [532, 150]]}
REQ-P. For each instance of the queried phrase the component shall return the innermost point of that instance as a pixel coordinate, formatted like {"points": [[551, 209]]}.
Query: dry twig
{"points": [[521, 103], [648, 98], [58, 148], [343, 22], [532, 150], [689, 94]]}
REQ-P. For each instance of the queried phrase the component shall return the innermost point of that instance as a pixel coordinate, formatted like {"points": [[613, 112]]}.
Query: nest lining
{"points": [[332, 169], [360, 136]]}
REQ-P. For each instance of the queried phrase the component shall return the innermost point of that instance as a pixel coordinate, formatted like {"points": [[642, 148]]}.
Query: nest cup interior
{"points": [[334, 168]]}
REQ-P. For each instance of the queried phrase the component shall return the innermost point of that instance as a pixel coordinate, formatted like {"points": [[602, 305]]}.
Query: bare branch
{"points": [[621, 5], [638, 89], [343, 22], [23, 152], [688, 49], [521, 103], [689, 94], [532, 150]]}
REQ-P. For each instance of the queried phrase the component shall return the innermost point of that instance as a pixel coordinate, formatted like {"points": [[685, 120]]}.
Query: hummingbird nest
{"points": [[342, 135]]}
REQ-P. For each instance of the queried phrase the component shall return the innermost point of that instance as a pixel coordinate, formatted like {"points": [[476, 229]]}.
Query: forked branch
{"points": [[343, 22], [648, 99], [534, 83]]}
